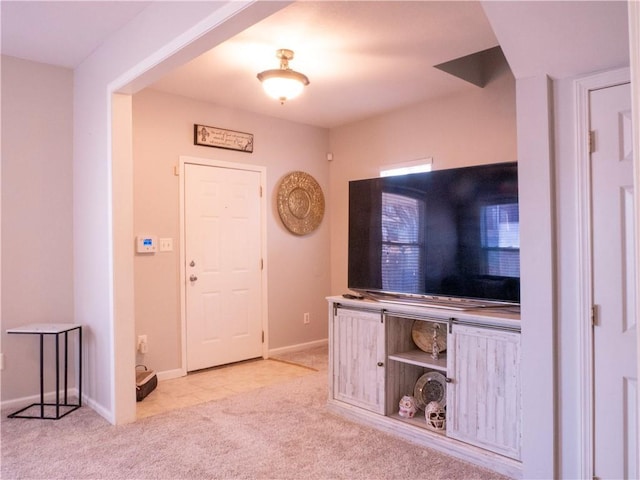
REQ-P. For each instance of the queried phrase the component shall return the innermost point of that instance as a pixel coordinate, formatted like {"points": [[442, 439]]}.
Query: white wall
{"points": [[298, 269], [472, 128], [152, 43], [37, 240]]}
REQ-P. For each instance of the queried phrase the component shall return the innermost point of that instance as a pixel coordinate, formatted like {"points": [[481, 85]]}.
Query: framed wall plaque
{"points": [[222, 138]]}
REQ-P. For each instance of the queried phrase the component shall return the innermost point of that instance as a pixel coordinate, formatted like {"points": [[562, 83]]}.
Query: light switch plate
{"points": [[166, 244]]}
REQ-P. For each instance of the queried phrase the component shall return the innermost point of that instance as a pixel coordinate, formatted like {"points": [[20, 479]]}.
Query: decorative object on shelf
{"points": [[436, 416], [435, 349], [407, 407], [300, 203], [430, 387], [221, 138], [283, 83], [426, 334]]}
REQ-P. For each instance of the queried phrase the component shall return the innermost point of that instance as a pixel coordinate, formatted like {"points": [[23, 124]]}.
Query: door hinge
{"points": [[594, 315], [263, 336], [262, 264], [592, 141], [260, 192]]}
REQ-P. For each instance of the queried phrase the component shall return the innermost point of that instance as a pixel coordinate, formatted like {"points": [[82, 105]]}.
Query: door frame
{"points": [[583, 87], [207, 162]]}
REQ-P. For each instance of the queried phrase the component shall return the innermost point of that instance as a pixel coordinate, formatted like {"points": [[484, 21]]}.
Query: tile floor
{"points": [[314, 357], [221, 382]]}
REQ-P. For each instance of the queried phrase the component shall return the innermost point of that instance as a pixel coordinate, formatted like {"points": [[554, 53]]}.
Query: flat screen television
{"points": [[446, 238]]}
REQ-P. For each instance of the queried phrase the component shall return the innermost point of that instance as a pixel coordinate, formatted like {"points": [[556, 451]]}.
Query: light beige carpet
{"points": [[278, 432]]}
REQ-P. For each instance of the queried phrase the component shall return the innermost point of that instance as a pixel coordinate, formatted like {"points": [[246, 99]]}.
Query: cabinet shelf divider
{"points": [[421, 359]]}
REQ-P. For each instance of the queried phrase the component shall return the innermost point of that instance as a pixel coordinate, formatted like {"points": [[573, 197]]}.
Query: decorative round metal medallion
{"points": [[300, 203]]}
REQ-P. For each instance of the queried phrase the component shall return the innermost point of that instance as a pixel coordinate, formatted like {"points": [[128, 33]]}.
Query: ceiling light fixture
{"points": [[283, 83]]}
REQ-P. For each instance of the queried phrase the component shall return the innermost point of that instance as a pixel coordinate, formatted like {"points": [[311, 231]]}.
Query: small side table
{"points": [[57, 330]]}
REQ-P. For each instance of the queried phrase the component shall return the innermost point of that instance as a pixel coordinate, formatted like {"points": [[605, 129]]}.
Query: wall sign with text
{"points": [[221, 138]]}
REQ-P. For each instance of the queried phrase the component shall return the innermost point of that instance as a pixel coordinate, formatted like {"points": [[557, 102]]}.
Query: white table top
{"points": [[44, 328]]}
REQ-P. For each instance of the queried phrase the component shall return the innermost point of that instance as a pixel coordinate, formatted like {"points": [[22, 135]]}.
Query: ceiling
{"points": [[362, 58], [61, 33]]}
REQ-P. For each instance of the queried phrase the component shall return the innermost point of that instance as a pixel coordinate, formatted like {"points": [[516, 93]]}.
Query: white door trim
{"points": [[583, 86], [263, 245], [634, 54]]}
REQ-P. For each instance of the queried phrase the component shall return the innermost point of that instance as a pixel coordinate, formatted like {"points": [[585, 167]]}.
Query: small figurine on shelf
{"points": [[435, 349], [408, 407], [435, 416]]}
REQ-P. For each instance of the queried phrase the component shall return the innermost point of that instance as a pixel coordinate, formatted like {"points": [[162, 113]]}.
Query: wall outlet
{"points": [[306, 320], [143, 346]]}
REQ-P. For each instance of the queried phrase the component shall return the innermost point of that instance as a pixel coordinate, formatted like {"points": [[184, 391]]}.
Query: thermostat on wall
{"points": [[146, 244]]}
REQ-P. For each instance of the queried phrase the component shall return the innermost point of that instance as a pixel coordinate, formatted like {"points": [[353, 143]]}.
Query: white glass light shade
{"points": [[283, 84]]}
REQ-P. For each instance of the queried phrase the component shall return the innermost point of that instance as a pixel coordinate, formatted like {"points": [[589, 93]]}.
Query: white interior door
{"points": [[614, 265], [223, 288]]}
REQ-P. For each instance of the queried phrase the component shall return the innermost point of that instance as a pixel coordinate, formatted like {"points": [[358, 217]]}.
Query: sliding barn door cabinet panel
{"points": [[359, 356]]}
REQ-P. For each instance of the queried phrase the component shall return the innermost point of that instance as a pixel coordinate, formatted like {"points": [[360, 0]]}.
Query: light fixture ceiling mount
{"points": [[283, 83]]}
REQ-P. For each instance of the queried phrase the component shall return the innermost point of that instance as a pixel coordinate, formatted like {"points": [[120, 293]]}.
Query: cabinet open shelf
{"points": [[421, 359], [417, 421]]}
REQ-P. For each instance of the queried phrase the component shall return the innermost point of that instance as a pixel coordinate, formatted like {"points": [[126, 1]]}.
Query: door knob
{"points": [[193, 278]]}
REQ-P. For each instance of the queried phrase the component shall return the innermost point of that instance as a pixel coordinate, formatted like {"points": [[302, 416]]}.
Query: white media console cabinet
{"points": [[374, 362]]}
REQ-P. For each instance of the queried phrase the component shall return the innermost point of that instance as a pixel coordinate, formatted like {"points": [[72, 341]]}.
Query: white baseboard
{"points": [[99, 409], [298, 347], [169, 374], [49, 397]]}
